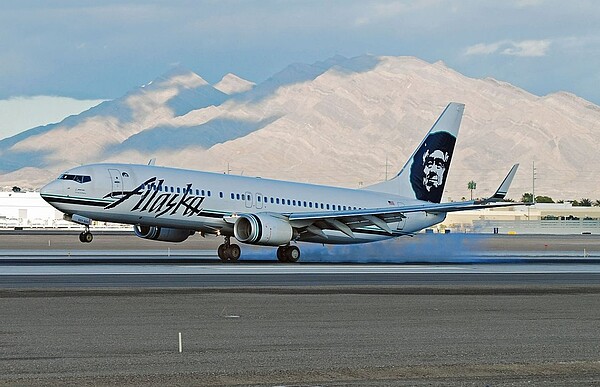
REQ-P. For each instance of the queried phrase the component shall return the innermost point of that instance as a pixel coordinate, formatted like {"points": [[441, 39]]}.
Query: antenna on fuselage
{"points": [[152, 161]]}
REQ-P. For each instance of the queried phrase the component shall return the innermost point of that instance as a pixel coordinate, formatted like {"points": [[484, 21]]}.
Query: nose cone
{"points": [[50, 189]]}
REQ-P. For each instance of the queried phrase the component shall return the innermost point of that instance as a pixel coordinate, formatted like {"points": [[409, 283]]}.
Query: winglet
{"points": [[503, 189]]}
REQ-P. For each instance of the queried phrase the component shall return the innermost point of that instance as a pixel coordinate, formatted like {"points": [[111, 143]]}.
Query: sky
{"points": [[80, 52]]}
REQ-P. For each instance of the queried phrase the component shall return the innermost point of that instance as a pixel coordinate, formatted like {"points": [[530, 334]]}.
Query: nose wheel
{"points": [[228, 251], [86, 236]]}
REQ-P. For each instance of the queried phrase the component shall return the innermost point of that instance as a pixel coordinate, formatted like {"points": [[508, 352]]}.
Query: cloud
{"points": [[528, 48], [524, 48], [482, 49], [376, 12]]}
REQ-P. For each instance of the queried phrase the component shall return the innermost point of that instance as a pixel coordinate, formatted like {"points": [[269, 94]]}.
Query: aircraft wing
{"points": [[345, 221]]}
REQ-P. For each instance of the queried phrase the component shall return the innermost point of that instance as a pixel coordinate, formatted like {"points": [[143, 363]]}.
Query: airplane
{"points": [[169, 204]]}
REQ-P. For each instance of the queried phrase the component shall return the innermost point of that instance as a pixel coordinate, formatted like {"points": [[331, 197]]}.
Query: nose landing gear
{"points": [[228, 251], [86, 236]]}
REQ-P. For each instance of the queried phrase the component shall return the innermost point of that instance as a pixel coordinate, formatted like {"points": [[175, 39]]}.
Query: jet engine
{"points": [[262, 229], [162, 233]]}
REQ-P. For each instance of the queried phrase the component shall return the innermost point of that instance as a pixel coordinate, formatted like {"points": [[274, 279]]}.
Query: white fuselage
{"points": [[203, 201]]}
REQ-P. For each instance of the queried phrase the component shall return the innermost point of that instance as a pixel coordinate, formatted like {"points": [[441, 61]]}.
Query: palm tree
{"points": [[471, 185], [585, 202], [527, 197]]}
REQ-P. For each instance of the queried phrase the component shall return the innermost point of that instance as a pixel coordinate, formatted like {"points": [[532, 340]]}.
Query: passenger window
{"points": [[197, 192], [178, 190], [304, 204], [310, 204], [221, 195], [202, 192], [271, 200], [237, 196], [232, 196], [327, 206], [243, 197], [277, 201], [208, 193]]}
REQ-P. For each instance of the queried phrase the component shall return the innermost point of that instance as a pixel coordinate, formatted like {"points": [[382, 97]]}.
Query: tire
{"points": [[222, 253], [234, 252], [292, 253], [281, 256], [88, 237], [81, 238]]}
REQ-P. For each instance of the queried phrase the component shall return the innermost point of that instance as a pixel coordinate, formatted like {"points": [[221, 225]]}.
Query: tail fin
{"points": [[423, 177]]}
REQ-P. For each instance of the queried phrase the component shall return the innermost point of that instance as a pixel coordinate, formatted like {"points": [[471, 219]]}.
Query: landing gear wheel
{"points": [[234, 252], [86, 237], [281, 254], [228, 251], [222, 252], [288, 254], [292, 253]]}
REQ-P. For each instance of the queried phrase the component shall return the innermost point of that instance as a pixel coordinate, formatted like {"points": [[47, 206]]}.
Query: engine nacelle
{"points": [[162, 233], [262, 229]]}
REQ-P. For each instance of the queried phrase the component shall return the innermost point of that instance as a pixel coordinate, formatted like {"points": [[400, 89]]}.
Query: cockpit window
{"points": [[76, 178]]}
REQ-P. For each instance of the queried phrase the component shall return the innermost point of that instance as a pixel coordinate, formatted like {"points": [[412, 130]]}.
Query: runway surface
{"points": [[277, 275], [422, 311]]}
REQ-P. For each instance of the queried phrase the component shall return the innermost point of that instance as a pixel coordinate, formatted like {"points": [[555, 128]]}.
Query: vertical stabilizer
{"points": [[423, 177]]}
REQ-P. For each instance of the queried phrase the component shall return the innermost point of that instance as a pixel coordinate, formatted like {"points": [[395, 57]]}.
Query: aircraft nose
{"points": [[49, 189]]}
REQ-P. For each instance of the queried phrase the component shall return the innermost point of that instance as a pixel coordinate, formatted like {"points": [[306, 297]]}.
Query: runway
{"points": [[121, 260], [425, 311], [277, 275]]}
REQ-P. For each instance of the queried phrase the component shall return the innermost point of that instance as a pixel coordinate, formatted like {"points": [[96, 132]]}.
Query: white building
{"points": [[29, 210], [26, 209], [541, 218]]}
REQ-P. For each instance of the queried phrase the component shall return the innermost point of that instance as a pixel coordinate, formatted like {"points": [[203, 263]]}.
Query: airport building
{"points": [[29, 210], [541, 218]]}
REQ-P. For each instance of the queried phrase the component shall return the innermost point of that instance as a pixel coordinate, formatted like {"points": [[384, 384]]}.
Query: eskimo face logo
{"points": [[434, 168], [430, 166]]}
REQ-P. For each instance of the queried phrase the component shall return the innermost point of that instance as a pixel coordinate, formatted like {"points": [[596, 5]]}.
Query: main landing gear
{"points": [[288, 253], [228, 251], [86, 236]]}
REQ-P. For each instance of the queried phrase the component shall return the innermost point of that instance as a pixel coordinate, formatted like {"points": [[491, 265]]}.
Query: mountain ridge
{"points": [[342, 121]]}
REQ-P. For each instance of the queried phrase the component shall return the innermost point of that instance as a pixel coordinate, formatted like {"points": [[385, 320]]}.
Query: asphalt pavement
{"points": [[259, 323]]}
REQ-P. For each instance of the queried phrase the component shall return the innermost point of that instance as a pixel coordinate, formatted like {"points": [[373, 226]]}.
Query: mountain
{"points": [[231, 84], [342, 121]]}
